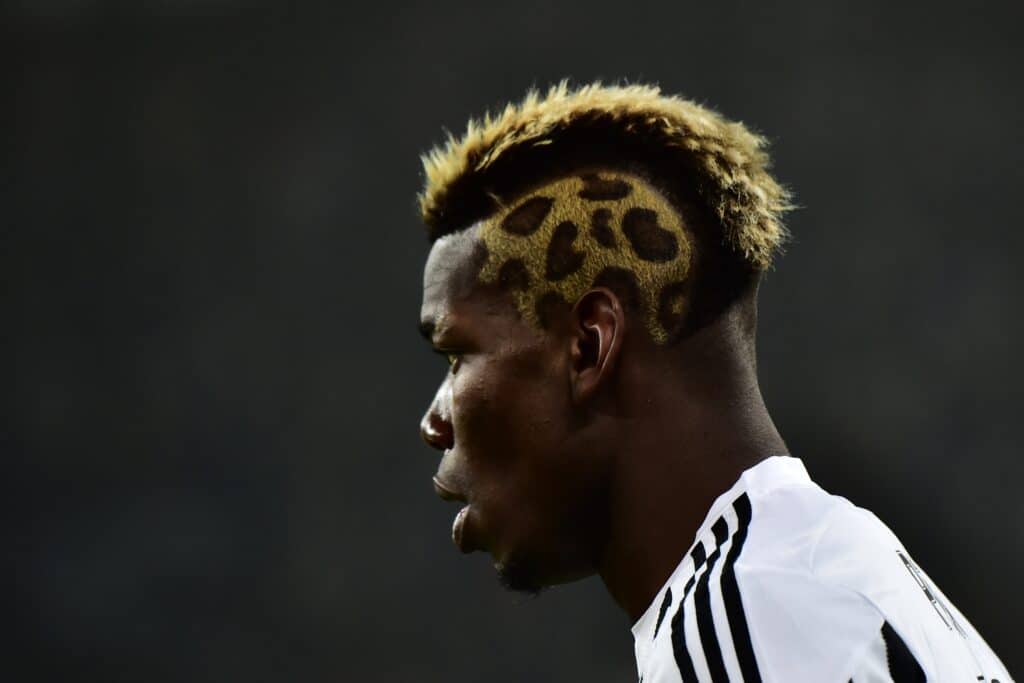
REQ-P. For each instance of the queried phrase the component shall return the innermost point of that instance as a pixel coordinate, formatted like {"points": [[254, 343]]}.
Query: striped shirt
{"points": [[785, 582]]}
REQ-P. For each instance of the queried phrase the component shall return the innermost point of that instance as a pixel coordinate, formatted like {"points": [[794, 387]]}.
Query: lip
{"points": [[461, 536], [447, 493]]}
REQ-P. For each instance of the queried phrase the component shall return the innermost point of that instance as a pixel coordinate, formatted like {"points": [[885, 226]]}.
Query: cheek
{"points": [[532, 488], [505, 405]]}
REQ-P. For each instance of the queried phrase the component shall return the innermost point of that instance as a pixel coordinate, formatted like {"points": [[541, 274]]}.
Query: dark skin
{"points": [[585, 447]]}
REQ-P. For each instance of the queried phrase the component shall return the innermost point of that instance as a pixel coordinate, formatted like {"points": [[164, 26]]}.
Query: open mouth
{"points": [[459, 536]]}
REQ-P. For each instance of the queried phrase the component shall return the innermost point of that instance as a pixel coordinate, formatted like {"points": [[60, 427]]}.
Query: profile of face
{"points": [[510, 421], [527, 305]]}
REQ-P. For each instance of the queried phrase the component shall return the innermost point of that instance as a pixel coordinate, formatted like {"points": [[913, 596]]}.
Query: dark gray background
{"points": [[212, 263]]}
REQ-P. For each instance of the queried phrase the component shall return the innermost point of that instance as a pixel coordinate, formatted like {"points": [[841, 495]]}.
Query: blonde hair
{"points": [[727, 164]]}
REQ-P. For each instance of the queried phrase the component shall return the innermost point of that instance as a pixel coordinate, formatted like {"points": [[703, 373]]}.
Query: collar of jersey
{"points": [[773, 472]]}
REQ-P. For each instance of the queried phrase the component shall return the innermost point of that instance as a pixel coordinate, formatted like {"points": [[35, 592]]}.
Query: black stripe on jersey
{"points": [[699, 558], [702, 605], [731, 595], [682, 654], [903, 667], [665, 604]]}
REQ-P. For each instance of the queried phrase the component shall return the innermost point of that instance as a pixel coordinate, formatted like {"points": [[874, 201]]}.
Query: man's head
{"points": [[580, 241]]}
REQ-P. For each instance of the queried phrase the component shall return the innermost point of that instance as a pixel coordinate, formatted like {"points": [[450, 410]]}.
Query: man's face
{"points": [[513, 441]]}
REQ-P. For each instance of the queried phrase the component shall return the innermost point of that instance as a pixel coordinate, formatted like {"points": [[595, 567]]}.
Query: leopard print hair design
{"points": [[597, 229]]}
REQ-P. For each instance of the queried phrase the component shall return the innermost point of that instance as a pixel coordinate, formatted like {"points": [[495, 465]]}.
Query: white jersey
{"points": [[788, 583]]}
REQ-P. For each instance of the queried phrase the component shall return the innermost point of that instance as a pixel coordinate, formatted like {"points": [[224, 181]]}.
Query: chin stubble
{"points": [[517, 578]]}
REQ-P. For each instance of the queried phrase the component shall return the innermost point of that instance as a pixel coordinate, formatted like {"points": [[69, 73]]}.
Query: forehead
{"points": [[450, 275]]}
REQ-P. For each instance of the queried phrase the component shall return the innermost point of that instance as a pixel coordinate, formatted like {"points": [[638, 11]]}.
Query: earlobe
{"points": [[598, 327]]}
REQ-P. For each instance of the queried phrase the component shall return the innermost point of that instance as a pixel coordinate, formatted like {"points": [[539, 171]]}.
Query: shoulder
{"points": [[748, 605], [806, 620], [827, 586], [786, 582], [805, 530]]}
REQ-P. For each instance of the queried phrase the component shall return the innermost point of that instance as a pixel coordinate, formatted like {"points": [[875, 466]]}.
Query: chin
{"points": [[531, 576], [519, 578]]}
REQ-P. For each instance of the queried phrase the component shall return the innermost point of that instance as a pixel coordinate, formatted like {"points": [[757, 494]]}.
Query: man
{"points": [[592, 282]]}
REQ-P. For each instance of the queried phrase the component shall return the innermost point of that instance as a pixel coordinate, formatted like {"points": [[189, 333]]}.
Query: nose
{"points": [[436, 431], [436, 426]]}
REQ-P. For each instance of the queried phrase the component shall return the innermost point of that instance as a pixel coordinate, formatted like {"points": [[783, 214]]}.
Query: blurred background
{"points": [[212, 262]]}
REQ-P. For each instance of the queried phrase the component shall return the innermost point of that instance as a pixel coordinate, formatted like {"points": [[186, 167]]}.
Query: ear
{"points": [[598, 326]]}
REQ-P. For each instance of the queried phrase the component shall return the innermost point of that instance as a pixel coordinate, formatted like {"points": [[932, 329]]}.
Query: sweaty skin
{"points": [[593, 229]]}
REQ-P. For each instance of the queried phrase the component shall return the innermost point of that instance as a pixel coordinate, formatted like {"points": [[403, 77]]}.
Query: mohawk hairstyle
{"points": [[720, 163]]}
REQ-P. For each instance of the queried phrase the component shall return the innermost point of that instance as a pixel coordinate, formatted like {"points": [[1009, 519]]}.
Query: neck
{"points": [[689, 445]]}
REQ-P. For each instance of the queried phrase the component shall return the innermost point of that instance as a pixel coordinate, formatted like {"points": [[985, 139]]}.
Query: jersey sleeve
{"points": [[803, 625], [887, 660], [923, 636], [793, 629], [791, 590], [755, 610], [804, 629]]}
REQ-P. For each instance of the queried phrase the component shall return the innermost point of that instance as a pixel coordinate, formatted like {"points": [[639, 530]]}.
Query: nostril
{"points": [[436, 431]]}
